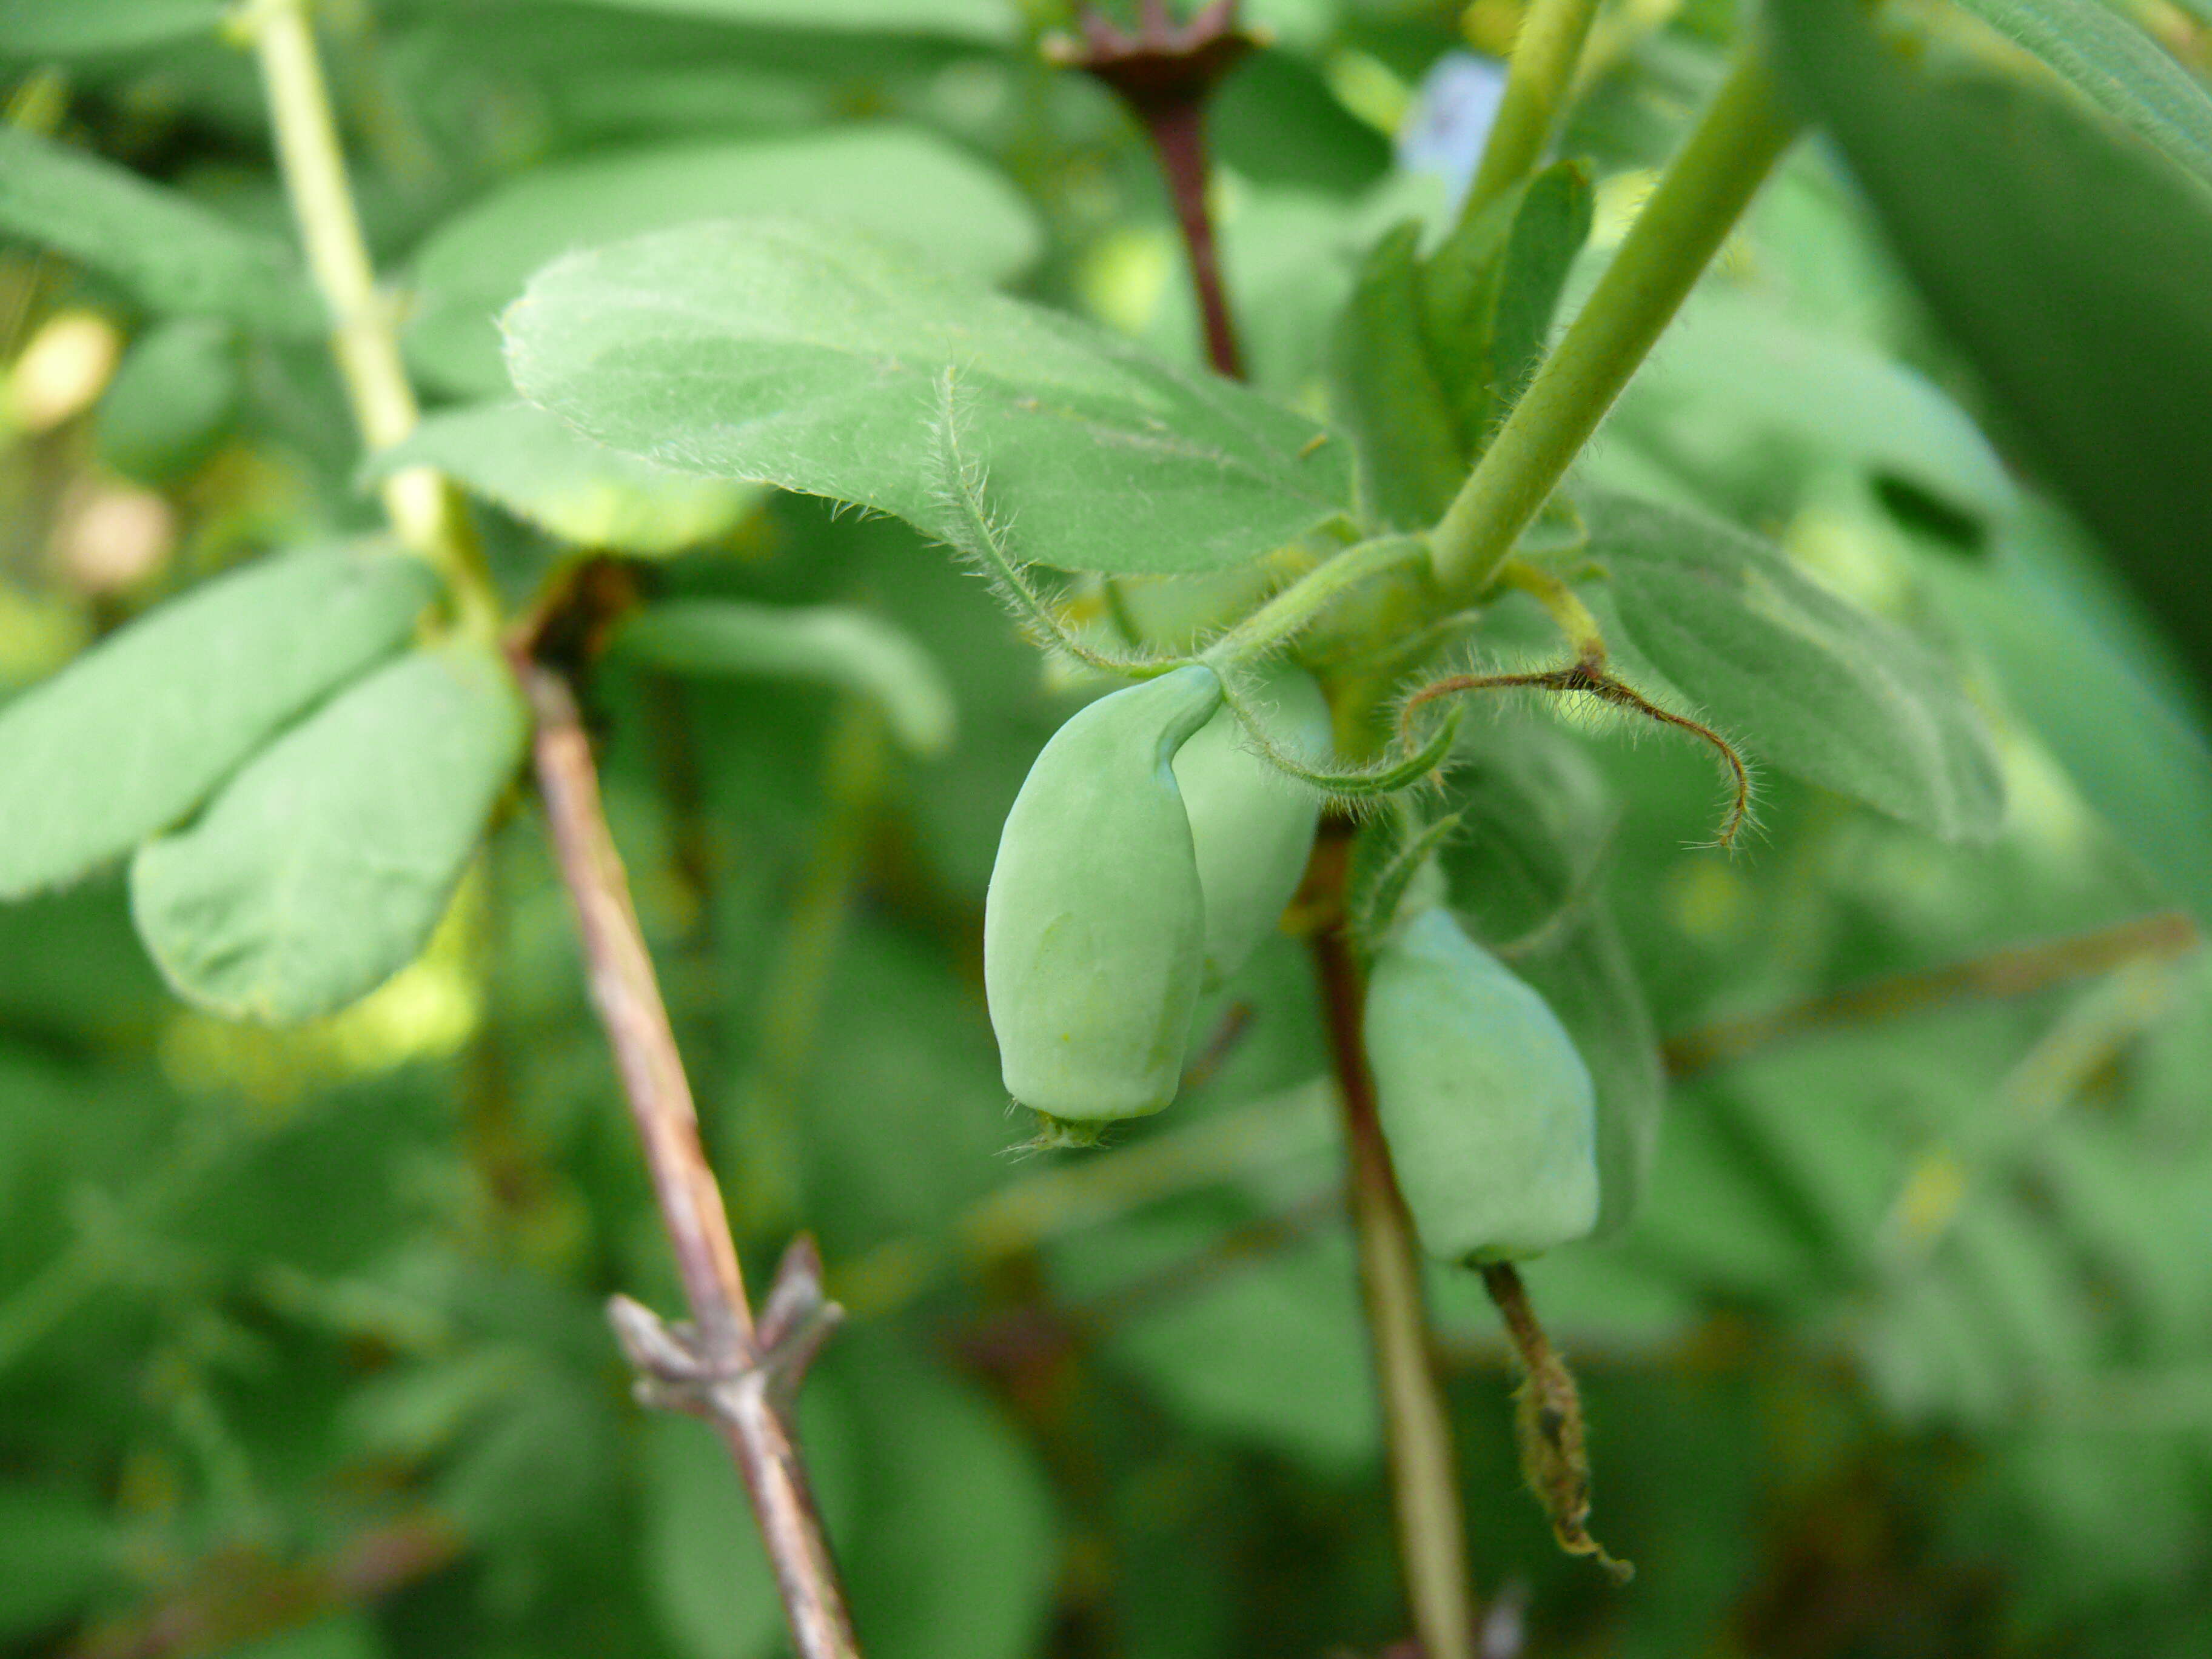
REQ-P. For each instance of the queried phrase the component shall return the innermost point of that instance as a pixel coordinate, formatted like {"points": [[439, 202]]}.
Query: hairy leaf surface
{"points": [[1801, 677], [827, 361]]}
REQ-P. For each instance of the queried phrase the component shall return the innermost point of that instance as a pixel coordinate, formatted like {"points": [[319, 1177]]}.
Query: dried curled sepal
{"points": [[1548, 1424]]}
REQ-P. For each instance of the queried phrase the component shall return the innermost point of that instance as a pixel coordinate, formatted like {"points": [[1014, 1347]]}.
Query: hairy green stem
{"points": [[424, 507], [1304, 599], [1545, 53], [1735, 145]]}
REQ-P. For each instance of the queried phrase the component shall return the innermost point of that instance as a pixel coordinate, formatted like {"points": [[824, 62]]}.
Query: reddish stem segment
{"points": [[1178, 133], [721, 1369], [1424, 1465]]}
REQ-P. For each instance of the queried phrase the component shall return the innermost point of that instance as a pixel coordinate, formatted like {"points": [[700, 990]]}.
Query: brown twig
{"points": [[1166, 73], [722, 1366], [2013, 971], [1423, 1465]]}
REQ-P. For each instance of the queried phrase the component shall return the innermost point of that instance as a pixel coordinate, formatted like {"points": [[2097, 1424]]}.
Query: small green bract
{"points": [[1486, 1104], [1094, 926]]}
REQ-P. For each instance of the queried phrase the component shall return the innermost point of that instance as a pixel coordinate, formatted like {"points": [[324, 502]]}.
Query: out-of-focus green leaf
{"points": [[170, 253], [349, 1634], [1738, 355], [901, 182], [56, 1549], [171, 399], [322, 867], [2136, 758], [37, 28], [958, 1546], [993, 21], [1269, 1351], [832, 645], [2072, 266], [1802, 678], [2116, 66], [537, 468], [828, 363], [132, 735], [704, 1567]]}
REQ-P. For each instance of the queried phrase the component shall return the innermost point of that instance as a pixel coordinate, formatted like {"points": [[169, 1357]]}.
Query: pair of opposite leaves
{"points": [[1144, 857], [340, 780]]}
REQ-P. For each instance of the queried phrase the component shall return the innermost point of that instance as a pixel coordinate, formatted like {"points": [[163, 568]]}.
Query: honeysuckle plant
{"points": [[1334, 620]]}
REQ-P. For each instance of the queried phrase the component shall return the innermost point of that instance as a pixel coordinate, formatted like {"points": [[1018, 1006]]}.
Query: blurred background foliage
{"points": [[302, 1351]]}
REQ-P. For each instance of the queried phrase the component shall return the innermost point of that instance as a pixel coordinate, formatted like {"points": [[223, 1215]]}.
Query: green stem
{"points": [[767, 1197], [1303, 600], [1545, 53], [1735, 143], [424, 507]]}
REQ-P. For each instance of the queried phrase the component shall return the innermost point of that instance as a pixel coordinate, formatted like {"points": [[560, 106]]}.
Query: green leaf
{"points": [[172, 254], [704, 1569], [1800, 676], [1732, 355], [322, 868], [959, 1546], [989, 21], [1429, 354], [899, 182], [2135, 758], [172, 398], [825, 361], [832, 645], [538, 468], [2070, 264], [1218, 1350], [37, 28], [1527, 871], [131, 736], [1387, 391], [57, 1550], [2116, 66], [1490, 291]]}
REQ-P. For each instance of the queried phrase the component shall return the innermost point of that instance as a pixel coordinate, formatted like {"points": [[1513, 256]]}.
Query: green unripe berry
{"points": [[1252, 825], [1094, 926], [1485, 1104]]}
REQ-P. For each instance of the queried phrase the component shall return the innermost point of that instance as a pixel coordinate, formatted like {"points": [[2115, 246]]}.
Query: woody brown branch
{"points": [[720, 1366]]}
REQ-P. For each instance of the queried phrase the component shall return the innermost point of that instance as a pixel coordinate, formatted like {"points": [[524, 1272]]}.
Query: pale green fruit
{"points": [[1094, 927], [1485, 1104], [1253, 826]]}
